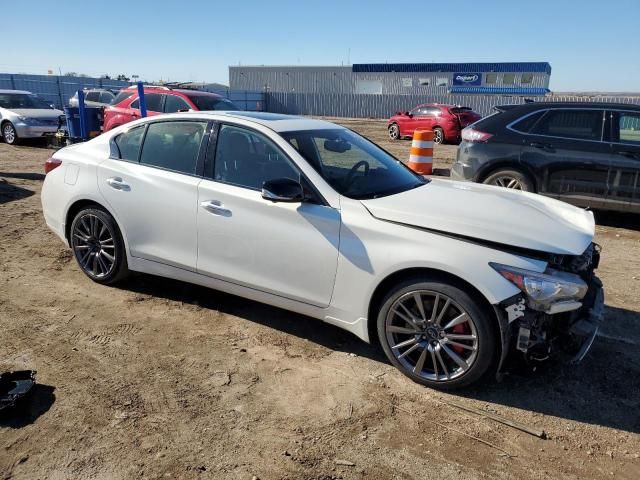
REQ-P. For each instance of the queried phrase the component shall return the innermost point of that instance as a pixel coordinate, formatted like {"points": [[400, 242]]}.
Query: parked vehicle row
{"points": [[161, 99], [311, 217], [25, 115]]}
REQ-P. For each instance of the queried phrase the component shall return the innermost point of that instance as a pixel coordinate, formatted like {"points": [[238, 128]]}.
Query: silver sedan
{"points": [[25, 115]]}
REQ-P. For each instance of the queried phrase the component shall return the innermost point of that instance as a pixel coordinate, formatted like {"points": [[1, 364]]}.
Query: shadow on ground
{"points": [[30, 408], [10, 192], [291, 323], [602, 390], [617, 219]]}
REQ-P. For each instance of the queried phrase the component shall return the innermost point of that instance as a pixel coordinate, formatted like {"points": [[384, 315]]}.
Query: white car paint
{"points": [[325, 261]]}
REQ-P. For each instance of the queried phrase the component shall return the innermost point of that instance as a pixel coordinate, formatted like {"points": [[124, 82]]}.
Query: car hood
{"points": [[37, 112], [492, 214]]}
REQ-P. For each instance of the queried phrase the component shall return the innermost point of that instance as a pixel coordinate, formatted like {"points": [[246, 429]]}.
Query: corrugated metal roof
{"points": [[453, 67], [501, 90]]}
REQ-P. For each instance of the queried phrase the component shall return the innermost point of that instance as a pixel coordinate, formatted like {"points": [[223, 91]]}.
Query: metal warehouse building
{"points": [[429, 79]]}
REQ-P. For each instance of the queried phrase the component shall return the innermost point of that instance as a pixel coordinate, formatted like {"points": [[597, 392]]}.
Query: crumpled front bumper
{"points": [[585, 328]]}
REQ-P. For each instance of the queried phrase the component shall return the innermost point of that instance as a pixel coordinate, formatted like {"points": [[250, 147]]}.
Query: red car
{"points": [[160, 99], [446, 121]]}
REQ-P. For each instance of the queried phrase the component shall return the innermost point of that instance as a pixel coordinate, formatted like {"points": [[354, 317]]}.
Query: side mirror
{"points": [[282, 190], [408, 114]]}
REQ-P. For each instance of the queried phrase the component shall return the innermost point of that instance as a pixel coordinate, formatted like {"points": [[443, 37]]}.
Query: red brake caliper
{"points": [[460, 328]]}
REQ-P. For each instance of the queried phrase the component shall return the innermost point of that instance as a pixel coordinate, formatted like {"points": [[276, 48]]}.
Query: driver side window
{"points": [[248, 159]]}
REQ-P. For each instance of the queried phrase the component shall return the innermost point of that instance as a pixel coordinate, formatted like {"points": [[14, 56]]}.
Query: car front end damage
{"points": [[558, 310]]}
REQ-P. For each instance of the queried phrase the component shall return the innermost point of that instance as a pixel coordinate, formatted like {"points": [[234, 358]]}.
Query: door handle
{"points": [[215, 207], [118, 184], [544, 146]]}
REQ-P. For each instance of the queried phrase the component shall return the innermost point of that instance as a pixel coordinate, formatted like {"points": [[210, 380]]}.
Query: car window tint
{"points": [[173, 103], [629, 127], [248, 159], [122, 95], [527, 123], [152, 102], [106, 97], [128, 144], [173, 145], [576, 124], [92, 96]]}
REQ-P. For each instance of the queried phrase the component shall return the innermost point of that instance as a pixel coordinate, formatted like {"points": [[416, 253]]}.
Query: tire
{"points": [[9, 133], [438, 136], [98, 247], [510, 178], [394, 131], [415, 348]]}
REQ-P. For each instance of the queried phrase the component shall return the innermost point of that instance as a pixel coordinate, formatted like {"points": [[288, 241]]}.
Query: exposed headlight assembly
{"points": [[551, 292]]}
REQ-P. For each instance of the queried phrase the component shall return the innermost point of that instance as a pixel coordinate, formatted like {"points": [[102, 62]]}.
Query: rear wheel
{"points": [[509, 178], [9, 133], [438, 136], [394, 131], [98, 246], [436, 334]]}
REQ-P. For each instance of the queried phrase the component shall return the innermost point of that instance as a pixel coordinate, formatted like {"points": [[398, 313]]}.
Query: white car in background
{"points": [[94, 97], [309, 216], [25, 115]]}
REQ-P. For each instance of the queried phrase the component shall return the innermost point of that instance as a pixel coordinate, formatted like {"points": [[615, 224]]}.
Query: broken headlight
{"points": [[551, 292]]}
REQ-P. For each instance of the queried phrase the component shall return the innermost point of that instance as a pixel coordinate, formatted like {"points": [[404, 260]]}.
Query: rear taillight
{"points": [[51, 163], [475, 136]]}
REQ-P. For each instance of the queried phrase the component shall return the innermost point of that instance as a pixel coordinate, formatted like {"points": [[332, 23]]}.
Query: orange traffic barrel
{"points": [[421, 155]]}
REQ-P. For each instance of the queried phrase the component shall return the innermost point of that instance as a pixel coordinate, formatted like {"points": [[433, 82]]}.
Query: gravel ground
{"points": [[160, 379]]}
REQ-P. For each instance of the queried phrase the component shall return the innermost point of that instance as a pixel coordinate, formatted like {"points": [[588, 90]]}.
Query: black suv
{"points": [[585, 153]]}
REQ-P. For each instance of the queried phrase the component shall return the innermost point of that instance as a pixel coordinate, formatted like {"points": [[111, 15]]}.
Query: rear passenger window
{"points": [[576, 124], [128, 144], [173, 145], [525, 124]]}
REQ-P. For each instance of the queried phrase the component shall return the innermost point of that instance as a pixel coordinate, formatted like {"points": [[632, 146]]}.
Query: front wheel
{"points": [[394, 131], [436, 334], [98, 246], [438, 136], [9, 133], [512, 179]]}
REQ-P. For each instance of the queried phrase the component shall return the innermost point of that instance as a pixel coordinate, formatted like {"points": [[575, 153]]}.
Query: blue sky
{"points": [[591, 45]]}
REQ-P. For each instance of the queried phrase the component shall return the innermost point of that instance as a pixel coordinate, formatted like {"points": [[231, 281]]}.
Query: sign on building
{"points": [[467, 78]]}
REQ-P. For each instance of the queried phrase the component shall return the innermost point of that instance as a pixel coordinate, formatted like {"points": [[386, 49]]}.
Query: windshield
{"points": [[352, 165], [206, 102], [23, 100]]}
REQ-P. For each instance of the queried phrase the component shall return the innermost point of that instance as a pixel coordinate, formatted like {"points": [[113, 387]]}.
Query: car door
{"points": [[287, 249], [422, 119], [153, 103], [624, 185], [150, 182], [565, 150]]}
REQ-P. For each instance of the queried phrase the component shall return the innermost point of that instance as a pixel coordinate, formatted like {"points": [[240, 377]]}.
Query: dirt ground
{"points": [[161, 379]]}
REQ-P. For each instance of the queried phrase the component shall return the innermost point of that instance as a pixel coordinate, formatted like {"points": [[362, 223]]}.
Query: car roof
{"points": [[15, 91], [588, 105], [183, 91], [275, 121]]}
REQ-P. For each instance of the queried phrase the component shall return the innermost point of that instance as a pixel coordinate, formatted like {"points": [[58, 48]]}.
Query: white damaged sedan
{"points": [[309, 216]]}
